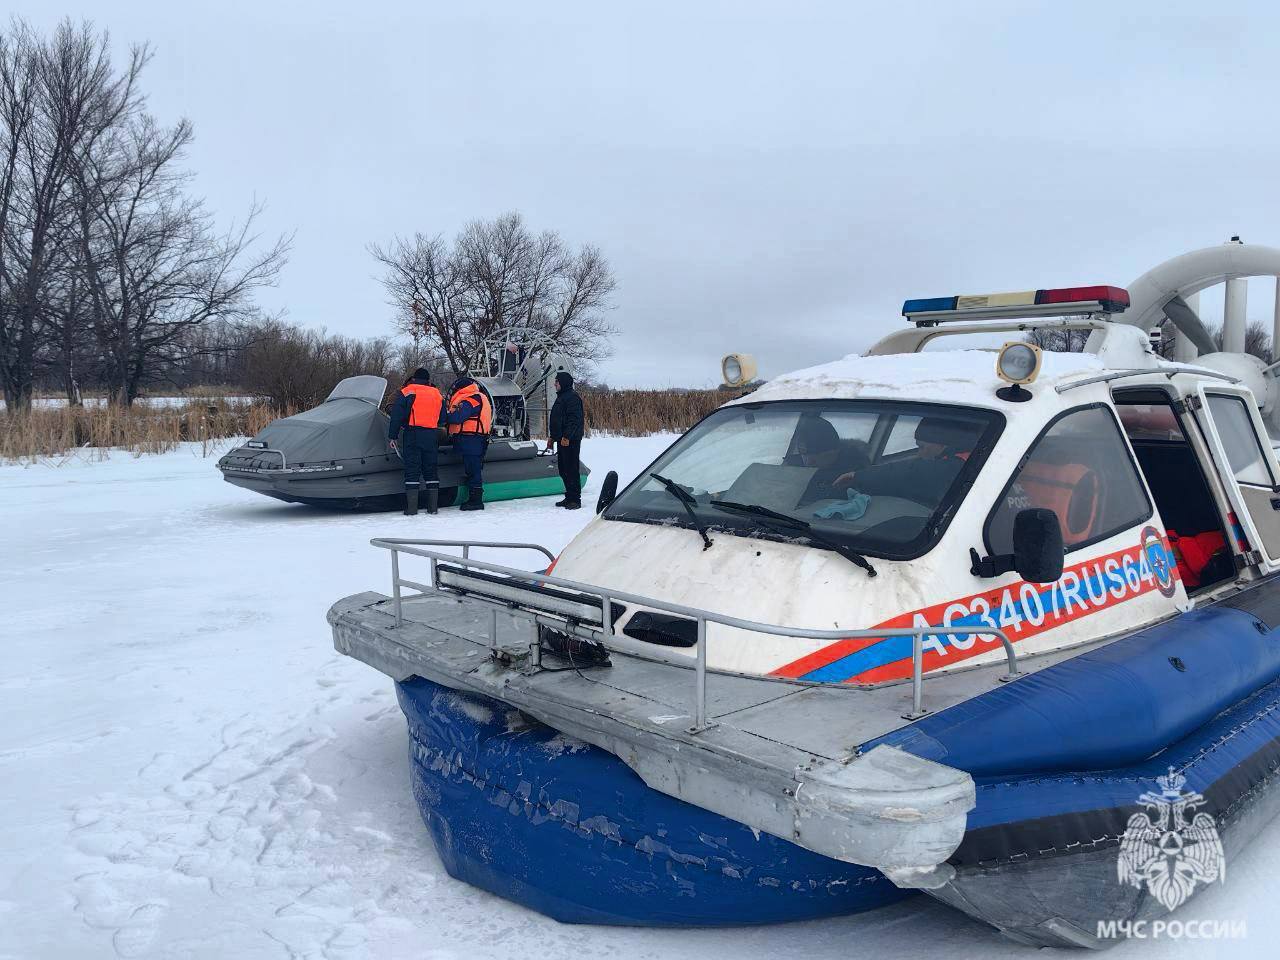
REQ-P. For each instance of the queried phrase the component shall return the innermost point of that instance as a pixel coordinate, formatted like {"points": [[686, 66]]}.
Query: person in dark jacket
{"points": [[470, 419], [817, 445], [942, 447], [567, 424], [416, 414]]}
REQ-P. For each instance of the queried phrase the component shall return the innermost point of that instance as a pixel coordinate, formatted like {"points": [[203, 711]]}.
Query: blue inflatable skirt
{"points": [[569, 830]]}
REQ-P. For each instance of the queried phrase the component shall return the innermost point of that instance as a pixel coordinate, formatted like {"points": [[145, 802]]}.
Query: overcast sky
{"points": [[773, 179]]}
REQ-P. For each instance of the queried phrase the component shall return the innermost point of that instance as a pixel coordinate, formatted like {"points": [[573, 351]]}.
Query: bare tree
{"points": [[426, 291], [68, 353], [1058, 339], [154, 264], [1257, 339], [18, 80], [58, 98], [295, 368], [497, 273], [108, 267]]}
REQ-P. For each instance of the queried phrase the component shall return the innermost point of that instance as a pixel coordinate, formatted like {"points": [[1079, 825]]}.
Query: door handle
{"points": [[1275, 503]]}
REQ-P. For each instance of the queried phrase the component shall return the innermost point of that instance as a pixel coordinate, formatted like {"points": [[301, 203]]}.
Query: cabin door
{"points": [[1242, 453]]}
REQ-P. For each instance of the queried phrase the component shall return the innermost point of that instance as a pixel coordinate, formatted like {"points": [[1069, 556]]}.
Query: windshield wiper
{"points": [[795, 523], [688, 502]]}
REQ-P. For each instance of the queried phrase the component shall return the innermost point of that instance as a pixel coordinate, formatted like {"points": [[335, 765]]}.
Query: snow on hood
{"points": [[955, 376]]}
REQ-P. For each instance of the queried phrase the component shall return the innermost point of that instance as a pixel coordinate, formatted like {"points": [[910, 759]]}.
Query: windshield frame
{"points": [[368, 387], [743, 526]]}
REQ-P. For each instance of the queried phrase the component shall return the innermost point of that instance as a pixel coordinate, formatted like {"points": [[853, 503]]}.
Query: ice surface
{"points": [[187, 769]]}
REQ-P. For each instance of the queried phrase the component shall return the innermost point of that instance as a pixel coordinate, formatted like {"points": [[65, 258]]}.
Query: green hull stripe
{"points": [[515, 489]]}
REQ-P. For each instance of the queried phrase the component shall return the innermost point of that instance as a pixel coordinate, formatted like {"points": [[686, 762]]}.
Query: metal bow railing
{"points": [[504, 599]]}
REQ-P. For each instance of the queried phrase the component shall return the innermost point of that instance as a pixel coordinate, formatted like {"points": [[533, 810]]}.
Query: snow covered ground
{"points": [[187, 769]]}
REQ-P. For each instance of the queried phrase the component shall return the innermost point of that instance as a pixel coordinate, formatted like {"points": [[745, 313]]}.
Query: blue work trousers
{"points": [[419, 451], [471, 447]]}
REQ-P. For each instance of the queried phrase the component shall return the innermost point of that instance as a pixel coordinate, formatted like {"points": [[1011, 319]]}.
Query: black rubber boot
{"points": [[562, 503], [477, 500], [573, 504], [433, 499], [411, 502]]}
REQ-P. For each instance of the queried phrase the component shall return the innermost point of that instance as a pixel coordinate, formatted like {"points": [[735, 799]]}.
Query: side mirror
{"points": [[1037, 549], [608, 490], [1037, 545]]}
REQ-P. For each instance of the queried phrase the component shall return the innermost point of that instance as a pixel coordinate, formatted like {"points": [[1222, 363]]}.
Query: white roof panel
{"points": [[952, 376]]}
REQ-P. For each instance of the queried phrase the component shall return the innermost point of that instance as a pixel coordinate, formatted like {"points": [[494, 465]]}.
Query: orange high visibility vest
{"points": [[481, 422], [427, 404]]}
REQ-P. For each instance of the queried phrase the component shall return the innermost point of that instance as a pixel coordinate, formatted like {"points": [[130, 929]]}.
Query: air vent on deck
{"points": [[662, 628]]}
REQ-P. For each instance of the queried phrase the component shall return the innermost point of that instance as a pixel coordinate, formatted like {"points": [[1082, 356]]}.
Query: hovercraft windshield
{"points": [[366, 387], [880, 477]]}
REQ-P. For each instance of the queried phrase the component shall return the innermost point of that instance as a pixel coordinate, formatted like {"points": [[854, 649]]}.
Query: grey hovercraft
{"points": [[336, 455]]}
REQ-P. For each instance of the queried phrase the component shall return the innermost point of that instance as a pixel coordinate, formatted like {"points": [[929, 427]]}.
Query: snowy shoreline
{"points": [[193, 771], [55, 403]]}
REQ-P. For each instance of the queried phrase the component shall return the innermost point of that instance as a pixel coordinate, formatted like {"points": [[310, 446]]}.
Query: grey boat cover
{"points": [[347, 426]]}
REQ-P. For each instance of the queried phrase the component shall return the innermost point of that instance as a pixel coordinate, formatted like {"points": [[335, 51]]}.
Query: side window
{"points": [[852, 426], [1079, 468], [1235, 427], [1149, 421], [902, 437]]}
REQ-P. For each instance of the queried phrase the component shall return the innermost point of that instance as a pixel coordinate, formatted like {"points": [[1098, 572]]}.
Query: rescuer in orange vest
{"points": [[470, 418], [418, 413]]}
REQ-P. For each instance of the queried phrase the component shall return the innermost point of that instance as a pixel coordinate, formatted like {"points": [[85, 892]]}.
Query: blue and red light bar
{"points": [[1094, 299]]}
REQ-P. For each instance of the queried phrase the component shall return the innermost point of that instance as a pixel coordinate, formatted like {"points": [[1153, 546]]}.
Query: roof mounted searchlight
{"points": [[738, 369]]}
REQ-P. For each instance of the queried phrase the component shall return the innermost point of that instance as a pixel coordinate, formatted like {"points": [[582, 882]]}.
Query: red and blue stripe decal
{"points": [[1020, 609]]}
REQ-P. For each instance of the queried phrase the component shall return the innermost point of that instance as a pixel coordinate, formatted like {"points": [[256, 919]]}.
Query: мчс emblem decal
{"points": [[1164, 850]]}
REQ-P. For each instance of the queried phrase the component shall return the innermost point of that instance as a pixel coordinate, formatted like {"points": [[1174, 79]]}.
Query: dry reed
{"points": [[50, 432], [97, 430], [637, 413]]}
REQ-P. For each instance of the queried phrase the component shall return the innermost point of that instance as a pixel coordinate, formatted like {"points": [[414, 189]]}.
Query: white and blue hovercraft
{"points": [[1002, 628]]}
